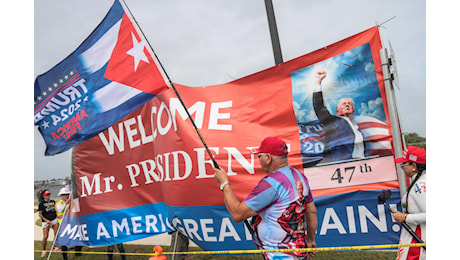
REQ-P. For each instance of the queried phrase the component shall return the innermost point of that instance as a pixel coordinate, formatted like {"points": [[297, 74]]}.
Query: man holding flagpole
{"points": [[281, 202]]}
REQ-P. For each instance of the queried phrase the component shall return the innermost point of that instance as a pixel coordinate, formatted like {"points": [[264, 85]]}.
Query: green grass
{"points": [[352, 255]]}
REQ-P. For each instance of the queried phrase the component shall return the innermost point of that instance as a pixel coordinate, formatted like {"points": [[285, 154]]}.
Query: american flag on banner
{"points": [[376, 135], [113, 72]]}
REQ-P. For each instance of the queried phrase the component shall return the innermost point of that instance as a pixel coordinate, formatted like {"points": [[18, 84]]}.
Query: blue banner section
{"points": [[350, 219], [343, 220], [114, 226], [211, 227]]}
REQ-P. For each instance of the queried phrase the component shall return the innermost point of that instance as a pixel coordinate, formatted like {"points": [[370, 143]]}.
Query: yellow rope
{"points": [[240, 252]]}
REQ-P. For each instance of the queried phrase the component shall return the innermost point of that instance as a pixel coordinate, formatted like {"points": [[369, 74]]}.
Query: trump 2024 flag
{"points": [[113, 72]]}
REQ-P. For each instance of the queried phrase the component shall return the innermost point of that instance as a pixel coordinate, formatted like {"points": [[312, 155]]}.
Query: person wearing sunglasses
{"points": [[281, 204], [413, 163], [47, 213]]}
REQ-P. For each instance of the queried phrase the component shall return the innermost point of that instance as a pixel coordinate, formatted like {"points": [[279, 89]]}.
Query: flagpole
{"points": [[72, 169], [189, 116], [172, 85]]}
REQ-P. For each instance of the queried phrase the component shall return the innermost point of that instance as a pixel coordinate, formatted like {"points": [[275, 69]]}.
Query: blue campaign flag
{"points": [[113, 72]]}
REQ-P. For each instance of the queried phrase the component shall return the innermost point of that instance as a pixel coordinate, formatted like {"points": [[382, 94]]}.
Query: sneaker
{"points": [[43, 254], [55, 248]]}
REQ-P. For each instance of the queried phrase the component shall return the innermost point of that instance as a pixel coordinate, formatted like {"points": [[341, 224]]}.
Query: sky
{"points": [[208, 42]]}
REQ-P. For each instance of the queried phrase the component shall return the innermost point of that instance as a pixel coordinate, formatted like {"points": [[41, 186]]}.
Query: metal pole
{"points": [[394, 118], [273, 32]]}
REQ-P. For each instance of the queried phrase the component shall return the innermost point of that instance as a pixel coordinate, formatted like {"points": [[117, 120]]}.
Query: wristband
{"points": [[223, 185]]}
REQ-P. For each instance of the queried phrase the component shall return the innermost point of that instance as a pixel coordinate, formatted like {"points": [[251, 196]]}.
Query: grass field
{"points": [[351, 255]]}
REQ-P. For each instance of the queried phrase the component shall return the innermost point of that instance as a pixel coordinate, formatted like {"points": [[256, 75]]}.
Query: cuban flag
{"points": [[113, 72]]}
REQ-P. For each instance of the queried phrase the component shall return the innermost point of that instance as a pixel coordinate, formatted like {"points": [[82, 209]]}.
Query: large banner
{"points": [[149, 173]]}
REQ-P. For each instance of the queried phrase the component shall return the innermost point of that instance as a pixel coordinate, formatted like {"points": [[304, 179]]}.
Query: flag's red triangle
{"points": [[131, 63]]}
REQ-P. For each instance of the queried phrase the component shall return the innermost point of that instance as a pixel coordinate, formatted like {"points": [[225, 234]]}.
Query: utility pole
{"points": [[273, 32], [394, 117]]}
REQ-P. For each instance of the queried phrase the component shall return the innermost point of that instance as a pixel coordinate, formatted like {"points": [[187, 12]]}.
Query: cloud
{"points": [[303, 115], [373, 108], [369, 67]]}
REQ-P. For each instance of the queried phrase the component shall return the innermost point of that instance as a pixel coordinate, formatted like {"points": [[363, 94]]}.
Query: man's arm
{"points": [[320, 75], [238, 210], [312, 224], [324, 116]]}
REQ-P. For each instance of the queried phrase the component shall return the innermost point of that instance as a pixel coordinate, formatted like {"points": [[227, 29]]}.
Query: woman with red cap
{"points": [[47, 213], [413, 163]]}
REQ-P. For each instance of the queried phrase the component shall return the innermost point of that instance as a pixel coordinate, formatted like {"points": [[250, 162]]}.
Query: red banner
{"points": [[154, 156]]}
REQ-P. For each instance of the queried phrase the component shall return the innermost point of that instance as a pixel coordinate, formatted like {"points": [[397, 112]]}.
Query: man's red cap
{"points": [[271, 145], [46, 192], [413, 154]]}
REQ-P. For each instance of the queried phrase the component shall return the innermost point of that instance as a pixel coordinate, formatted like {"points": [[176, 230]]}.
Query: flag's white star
{"points": [[137, 51], [45, 124]]}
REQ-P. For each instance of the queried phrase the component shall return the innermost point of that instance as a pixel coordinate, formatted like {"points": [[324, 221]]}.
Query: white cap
{"points": [[64, 190]]}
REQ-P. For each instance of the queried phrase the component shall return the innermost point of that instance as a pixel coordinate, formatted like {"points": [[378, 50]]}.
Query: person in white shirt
{"points": [[413, 202]]}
